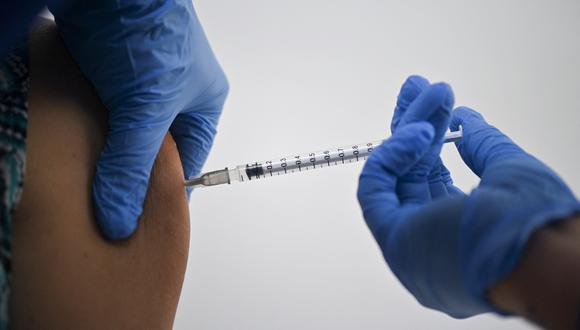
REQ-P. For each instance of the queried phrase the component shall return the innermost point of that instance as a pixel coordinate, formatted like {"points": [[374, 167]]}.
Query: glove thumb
{"points": [[482, 145], [377, 191], [122, 177]]}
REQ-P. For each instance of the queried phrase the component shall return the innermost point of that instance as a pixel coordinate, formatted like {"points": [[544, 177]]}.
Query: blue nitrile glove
{"points": [[15, 20], [153, 68], [448, 248]]}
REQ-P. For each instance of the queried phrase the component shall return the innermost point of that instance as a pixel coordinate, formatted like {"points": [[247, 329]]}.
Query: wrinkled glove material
{"points": [[446, 247], [152, 66]]}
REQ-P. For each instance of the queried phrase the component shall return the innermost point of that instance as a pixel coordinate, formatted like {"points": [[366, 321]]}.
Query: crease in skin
{"points": [[77, 278]]}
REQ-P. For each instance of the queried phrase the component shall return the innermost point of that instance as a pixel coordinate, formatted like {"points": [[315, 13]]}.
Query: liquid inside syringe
{"points": [[293, 164]]}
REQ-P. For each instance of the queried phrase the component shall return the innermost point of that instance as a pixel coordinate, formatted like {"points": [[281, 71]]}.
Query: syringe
{"points": [[293, 164]]}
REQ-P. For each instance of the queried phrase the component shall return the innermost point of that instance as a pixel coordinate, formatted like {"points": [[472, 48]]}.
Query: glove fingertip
{"points": [[462, 115], [402, 150], [447, 92], [411, 88], [119, 230], [117, 220], [121, 179], [415, 83]]}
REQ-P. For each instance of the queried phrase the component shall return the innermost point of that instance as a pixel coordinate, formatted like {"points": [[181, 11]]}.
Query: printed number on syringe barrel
{"points": [[293, 164]]}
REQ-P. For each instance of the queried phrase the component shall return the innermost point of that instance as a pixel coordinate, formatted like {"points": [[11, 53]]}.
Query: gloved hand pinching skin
{"points": [[448, 248], [153, 68]]}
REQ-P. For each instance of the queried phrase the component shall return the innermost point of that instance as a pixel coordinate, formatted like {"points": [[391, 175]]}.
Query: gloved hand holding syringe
{"points": [[293, 163]]}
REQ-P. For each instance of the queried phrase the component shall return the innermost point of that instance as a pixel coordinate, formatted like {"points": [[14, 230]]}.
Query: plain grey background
{"points": [[294, 252]]}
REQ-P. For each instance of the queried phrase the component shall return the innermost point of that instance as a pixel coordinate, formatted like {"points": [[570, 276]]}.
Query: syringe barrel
{"points": [[311, 161], [294, 163], [302, 162]]}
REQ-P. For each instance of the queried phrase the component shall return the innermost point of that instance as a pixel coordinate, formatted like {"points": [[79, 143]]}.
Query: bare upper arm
{"points": [[64, 273]]}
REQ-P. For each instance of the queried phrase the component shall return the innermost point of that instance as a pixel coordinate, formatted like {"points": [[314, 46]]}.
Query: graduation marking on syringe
{"points": [[257, 170]]}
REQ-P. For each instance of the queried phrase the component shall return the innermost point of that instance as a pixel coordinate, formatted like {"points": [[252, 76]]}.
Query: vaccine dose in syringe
{"points": [[293, 164]]}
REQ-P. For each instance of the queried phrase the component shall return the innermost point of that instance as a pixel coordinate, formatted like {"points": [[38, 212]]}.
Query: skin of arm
{"points": [[545, 286], [65, 275]]}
